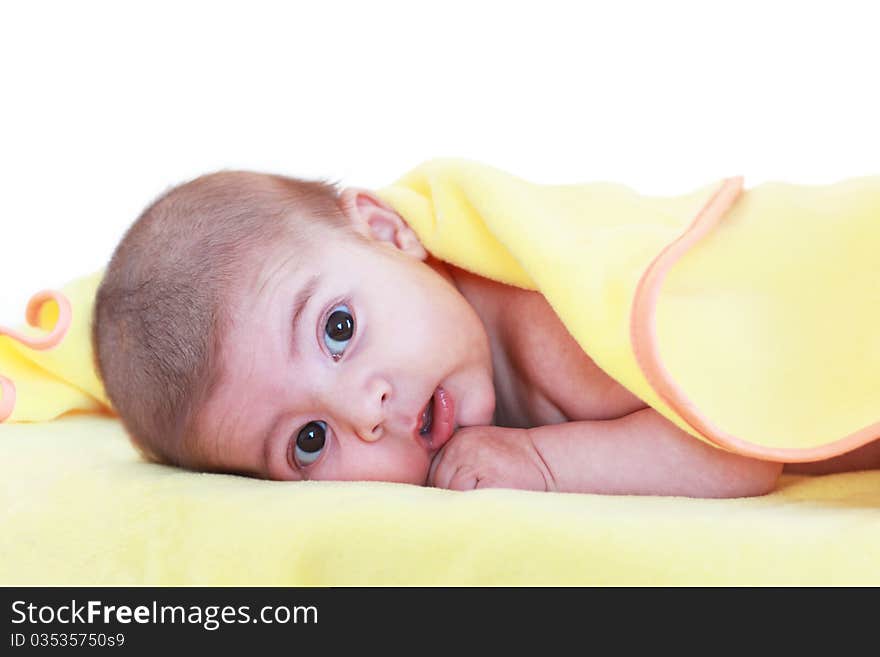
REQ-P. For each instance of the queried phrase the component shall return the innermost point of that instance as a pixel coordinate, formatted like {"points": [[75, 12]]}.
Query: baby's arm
{"points": [[639, 454]]}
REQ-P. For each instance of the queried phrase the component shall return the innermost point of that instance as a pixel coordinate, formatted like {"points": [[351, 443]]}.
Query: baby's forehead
{"points": [[294, 262], [264, 273]]}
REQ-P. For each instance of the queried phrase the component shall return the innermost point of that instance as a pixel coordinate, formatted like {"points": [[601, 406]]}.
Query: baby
{"points": [[283, 329]]}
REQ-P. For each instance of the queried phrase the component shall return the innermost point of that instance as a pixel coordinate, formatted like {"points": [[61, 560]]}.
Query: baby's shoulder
{"points": [[558, 377], [543, 376]]}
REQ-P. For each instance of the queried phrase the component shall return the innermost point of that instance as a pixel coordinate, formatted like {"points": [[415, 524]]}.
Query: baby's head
{"points": [[278, 328]]}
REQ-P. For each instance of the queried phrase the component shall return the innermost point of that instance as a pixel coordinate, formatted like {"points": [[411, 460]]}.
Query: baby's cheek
{"points": [[391, 462], [408, 468]]}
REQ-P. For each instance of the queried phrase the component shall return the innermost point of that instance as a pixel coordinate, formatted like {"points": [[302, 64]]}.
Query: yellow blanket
{"points": [[79, 507], [46, 369], [751, 319]]}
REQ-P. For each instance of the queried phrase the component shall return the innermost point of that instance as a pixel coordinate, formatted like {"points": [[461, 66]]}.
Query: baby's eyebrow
{"points": [[300, 299]]}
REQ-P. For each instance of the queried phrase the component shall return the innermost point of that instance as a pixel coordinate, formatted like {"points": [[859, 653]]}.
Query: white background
{"points": [[105, 105]]}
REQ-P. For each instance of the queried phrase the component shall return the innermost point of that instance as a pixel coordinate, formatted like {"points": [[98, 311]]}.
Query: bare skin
{"points": [[584, 431], [387, 329], [565, 425]]}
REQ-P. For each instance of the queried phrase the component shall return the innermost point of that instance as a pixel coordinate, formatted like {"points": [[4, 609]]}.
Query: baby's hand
{"points": [[489, 457]]}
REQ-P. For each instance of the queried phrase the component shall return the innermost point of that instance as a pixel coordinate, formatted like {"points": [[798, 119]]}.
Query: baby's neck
{"points": [[486, 297]]}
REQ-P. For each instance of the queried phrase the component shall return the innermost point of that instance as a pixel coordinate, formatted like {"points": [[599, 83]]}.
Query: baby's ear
{"points": [[375, 219]]}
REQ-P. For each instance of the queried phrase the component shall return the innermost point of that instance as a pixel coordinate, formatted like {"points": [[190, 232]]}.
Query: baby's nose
{"points": [[369, 421]]}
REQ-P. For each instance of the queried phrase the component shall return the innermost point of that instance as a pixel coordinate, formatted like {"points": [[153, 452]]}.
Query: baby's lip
{"points": [[444, 418], [442, 424]]}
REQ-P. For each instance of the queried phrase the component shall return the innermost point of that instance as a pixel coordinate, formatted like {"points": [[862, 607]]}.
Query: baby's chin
{"points": [[478, 409]]}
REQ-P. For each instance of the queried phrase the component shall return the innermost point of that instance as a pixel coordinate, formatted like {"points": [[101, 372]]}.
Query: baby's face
{"points": [[336, 389]]}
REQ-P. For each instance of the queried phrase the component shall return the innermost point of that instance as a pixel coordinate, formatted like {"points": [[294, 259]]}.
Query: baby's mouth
{"points": [[437, 420], [427, 417]]}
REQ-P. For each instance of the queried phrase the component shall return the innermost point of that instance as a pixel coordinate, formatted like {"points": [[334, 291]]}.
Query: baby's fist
{"points": [[489, 457]]}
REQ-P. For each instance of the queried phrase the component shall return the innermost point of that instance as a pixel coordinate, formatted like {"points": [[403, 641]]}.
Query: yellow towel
{"points": [[79, 507], [37, 385], [751, 319]]}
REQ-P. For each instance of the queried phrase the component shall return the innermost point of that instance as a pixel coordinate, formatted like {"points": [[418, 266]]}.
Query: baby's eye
{"points": [[339, 329], [310, 442]]}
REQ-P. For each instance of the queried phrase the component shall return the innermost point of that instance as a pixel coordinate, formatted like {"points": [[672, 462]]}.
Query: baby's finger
{"points": [[463, 479], [487, 482], [437, 472]]}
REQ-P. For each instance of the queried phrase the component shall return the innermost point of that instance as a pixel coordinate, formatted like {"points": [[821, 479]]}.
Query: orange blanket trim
{"points": [[643, 336], [52, 339]]}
